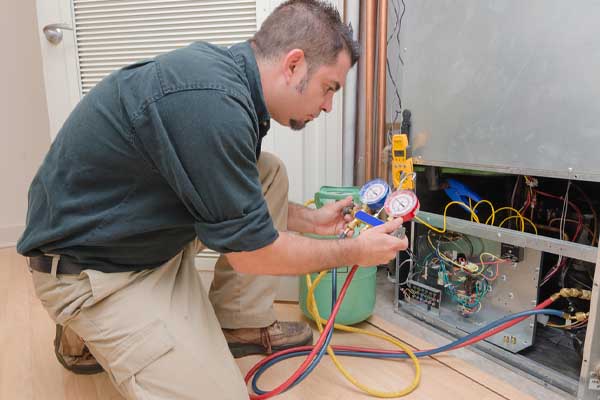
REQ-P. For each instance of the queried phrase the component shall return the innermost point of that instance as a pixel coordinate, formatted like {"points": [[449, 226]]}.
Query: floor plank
{"points": [[29, 370]]}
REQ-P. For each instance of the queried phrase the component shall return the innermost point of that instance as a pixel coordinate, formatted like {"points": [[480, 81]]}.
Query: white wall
{"points": [[24, 130]]}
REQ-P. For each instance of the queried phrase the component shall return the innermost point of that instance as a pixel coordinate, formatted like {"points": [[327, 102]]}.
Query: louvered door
{"points": [[114, 33]]}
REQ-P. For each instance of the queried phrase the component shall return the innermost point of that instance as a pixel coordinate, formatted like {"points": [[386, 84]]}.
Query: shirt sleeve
{"points": [[204, 143]]}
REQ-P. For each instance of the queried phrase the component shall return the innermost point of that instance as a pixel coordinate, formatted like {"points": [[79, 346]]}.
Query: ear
{"points": [[291, 63]]}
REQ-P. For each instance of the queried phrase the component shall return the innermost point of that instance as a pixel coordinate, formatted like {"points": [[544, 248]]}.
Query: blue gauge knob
{"points": [[374, 193]]}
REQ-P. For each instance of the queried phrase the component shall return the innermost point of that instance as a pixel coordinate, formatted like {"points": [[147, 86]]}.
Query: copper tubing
{"points": [[371, 23], [381, 89]]}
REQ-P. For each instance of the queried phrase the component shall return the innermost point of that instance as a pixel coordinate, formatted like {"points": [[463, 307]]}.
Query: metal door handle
{"points": [[53, 32]]}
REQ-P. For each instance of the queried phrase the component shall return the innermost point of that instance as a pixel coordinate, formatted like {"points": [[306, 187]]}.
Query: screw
{"points": [[531, 325], [499, 234], [405, 49], [503, 277], [511, 295]]}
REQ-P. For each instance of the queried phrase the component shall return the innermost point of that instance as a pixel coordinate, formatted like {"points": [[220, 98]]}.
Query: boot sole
{"points": [[239, 350]]}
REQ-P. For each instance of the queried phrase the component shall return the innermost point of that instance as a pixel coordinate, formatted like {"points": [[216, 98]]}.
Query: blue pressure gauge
{"points": [[374, 193]]}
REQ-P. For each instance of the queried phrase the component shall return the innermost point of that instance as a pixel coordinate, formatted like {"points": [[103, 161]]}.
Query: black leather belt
{"points": [[44, 264]]}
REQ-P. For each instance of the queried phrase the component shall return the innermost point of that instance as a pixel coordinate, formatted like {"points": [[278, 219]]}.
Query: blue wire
{"points": [[423, 353]]}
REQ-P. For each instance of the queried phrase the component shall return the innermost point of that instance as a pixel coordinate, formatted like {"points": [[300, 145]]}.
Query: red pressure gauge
{"points": [[402, 203]]}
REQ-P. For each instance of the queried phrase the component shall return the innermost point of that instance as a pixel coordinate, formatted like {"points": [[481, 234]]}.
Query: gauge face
{"points": [[401, 203], [374, 192]]}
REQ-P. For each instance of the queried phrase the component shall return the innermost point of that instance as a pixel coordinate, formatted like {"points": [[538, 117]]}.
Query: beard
{"points": [[297, 125]]}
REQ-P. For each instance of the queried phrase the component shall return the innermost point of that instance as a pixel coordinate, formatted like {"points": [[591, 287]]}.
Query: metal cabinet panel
{"points": [[510, 86]]}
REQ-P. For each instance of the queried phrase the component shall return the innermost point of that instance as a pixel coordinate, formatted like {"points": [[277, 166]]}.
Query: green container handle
{"points": [[336, 193]]}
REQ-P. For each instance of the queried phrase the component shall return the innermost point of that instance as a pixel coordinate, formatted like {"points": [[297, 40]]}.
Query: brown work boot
{"points": [[73, 354], [278, 336]]}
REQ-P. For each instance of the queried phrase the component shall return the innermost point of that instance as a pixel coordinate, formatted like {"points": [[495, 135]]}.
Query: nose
{"points": [[328, 103]]}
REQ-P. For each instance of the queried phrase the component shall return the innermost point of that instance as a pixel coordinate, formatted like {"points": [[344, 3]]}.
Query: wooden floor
{"points": [[28, 369]]}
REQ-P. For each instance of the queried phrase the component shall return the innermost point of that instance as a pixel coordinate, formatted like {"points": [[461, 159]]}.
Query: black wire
{"points": [[396, 32]]}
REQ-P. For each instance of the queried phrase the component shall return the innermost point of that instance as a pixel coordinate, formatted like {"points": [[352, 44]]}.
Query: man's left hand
{"points": [[329, 219]]}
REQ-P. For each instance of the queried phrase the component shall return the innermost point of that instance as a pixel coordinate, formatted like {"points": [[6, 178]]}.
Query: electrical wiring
{"points": [[475, 218], [396, 32], [522, 218], [593, 211], [443, 230], [487, 221], [447, 259], [559, 265], [488, 203], [573, 206], [573, 221], [467, 297], [568, 326], [497, 263]]}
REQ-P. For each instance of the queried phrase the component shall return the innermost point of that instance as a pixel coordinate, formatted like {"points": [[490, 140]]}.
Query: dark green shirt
{"points": [[158, 153]]}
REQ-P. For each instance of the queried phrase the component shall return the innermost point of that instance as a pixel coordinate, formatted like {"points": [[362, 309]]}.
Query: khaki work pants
{"points": [[156, 332]]}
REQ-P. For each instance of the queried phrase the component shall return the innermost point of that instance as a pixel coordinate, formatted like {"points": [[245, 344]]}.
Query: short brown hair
{"points": [[310, 25]]}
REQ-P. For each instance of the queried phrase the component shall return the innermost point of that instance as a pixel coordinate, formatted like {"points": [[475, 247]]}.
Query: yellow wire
{"points": [[311, 305], [523, 218], [488, 203], [491, 217], [443, 230]]}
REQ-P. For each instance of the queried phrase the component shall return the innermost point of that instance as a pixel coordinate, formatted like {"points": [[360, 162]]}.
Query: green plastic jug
{"points": [[359, 301]]}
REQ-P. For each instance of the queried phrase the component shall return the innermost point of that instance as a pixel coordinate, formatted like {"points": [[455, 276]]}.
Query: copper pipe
{"points": [[381, 89], [369, 92], [553, 229]]}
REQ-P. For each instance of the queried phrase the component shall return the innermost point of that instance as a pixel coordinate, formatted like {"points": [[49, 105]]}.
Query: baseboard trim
{"points": [[9, 235]]}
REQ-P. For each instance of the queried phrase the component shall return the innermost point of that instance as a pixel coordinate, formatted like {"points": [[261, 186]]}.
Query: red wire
{"points": [[315, 349], [577, 210]]}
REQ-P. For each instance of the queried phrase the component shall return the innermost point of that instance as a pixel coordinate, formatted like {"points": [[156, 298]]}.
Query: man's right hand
{"points": [[378, 246]]}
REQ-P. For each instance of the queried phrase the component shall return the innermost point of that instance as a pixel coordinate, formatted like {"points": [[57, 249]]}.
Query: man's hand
{"points": [[329, 220], [377, 245]]}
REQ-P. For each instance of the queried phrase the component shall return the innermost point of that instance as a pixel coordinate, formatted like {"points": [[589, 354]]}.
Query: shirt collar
{"points": [[244, 57]]}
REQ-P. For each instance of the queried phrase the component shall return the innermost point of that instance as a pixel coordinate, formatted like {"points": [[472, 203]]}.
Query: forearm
{"points": [[300, 218], [293, 254]]}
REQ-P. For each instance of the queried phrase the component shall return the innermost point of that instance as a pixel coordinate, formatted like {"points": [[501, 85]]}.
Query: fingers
{"points": [[403, 244], [389, 226], [345, 203]]}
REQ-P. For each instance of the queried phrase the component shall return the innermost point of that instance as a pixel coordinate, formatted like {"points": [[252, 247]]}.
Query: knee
{"points": [[272, 172]]}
